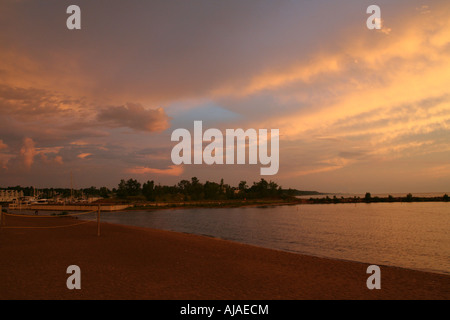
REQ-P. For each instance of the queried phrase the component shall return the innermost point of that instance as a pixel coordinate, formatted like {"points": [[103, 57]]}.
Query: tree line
{"points": [[185, 190], [368, 198]]}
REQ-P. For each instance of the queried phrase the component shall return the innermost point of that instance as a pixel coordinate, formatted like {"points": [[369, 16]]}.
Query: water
{"points": [[380, 195], [409, 235]]}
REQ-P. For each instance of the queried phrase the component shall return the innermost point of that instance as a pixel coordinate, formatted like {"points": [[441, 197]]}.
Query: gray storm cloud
{"points": [[134, 116]]}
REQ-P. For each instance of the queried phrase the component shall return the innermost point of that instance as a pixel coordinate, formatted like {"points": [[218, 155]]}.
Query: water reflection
{"points": [[409, 235]]}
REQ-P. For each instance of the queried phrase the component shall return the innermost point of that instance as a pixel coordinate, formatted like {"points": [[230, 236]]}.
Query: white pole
{"points": [[98, 221]]}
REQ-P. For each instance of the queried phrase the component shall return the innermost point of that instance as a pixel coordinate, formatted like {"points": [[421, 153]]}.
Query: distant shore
{"points": [[117, 205], [278, 202], [235, 203], [212, 204], [138, 263], [369, 199]]}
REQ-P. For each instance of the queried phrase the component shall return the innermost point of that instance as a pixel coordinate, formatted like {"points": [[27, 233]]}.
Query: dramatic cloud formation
{"points": [[27, 103], [28, 152], [358, 110], [136, 117]]}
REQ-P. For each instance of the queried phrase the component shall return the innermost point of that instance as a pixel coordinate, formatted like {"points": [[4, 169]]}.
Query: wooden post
{"points": [[1, 216], [98, 221]]}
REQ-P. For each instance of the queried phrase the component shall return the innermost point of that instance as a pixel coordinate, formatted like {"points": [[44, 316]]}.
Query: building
{"points": [[10, 195]]}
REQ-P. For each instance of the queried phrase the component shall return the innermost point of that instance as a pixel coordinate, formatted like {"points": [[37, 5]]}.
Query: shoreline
{"points": [[236, 203], [445, 273], [163, 208], [128, 262], [223, 205], [257, 246], [230, 204]]}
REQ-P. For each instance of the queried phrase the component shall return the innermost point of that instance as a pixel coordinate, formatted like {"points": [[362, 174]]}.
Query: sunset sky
{"points": [[358, 110]]}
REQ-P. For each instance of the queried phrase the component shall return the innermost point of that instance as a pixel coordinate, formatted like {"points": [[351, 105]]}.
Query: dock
{"points": [[69, 207]]}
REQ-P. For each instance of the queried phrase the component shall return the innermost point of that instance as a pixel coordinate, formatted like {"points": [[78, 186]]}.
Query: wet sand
{"points": [[140, 263]]}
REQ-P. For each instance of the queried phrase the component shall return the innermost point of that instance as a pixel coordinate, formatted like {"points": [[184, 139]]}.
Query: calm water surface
{"points": [[409, 235]]}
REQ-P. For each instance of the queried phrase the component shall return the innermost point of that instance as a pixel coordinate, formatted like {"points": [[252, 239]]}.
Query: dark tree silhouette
{"points": [[409, 197], [148, 190], [128, 188]]}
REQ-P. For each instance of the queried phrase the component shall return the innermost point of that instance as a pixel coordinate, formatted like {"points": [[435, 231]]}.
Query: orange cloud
{"points": [[54, 160], [4, 157], [315, 170], [392, 92], [58, 160], [79, 143], [28, 152], [2, 145], [171, 171], [305, 72], [84, 155], [323, 166]]}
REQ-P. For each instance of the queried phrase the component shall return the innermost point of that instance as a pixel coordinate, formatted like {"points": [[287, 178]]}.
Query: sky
{"points": [[358, 110]]}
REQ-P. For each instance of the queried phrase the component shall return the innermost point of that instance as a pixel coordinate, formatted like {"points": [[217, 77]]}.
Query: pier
{"points": [[69, 207]]}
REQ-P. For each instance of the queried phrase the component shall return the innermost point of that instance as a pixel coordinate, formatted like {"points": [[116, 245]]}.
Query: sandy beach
{"points": [[139, 263]]}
